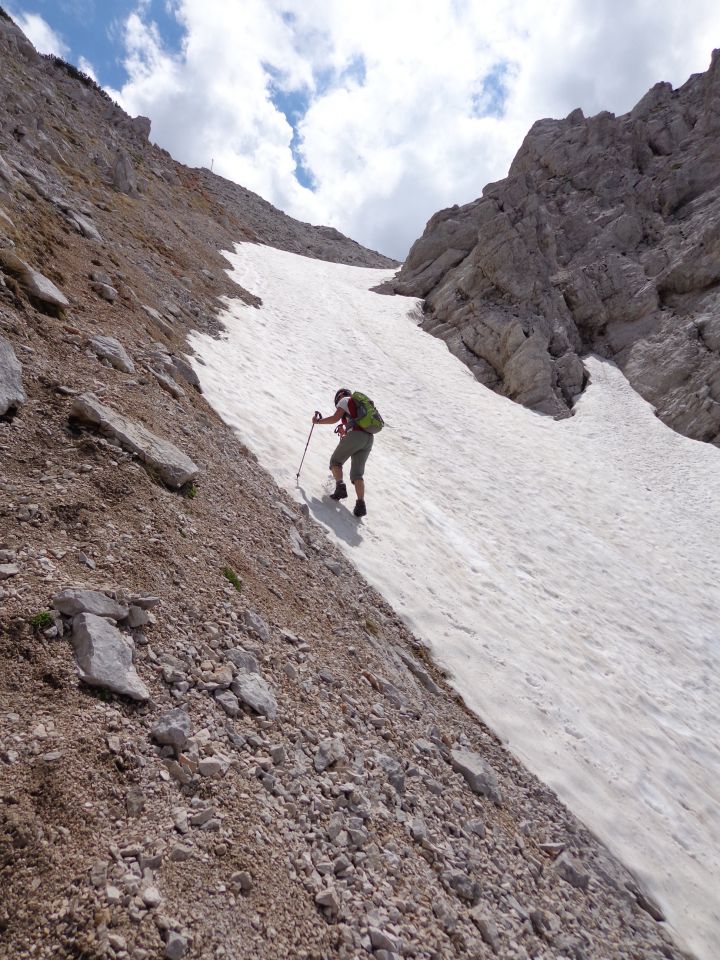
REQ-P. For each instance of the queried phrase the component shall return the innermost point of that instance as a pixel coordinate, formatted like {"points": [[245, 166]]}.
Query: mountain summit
{"points": [[604, 238]]}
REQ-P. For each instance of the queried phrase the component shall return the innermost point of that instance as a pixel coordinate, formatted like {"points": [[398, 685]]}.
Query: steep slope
{"points": [[604, 238], [289, 776]]}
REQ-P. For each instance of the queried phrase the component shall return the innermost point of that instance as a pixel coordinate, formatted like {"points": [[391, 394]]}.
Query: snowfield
{"points": [[567, 574]]}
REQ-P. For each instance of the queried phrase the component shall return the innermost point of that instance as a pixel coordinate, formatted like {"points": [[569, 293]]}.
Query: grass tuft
{"points": [[41, 620], [233, 578]]}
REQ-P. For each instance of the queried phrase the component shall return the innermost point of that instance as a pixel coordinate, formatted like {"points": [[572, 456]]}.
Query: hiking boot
{"points": [[340, 492], [360, 509]]}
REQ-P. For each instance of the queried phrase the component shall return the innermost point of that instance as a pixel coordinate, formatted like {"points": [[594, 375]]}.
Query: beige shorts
{"points": [[354, 446]]}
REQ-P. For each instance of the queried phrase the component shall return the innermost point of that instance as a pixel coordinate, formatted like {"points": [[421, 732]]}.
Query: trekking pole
{"points": [[297, 475]]}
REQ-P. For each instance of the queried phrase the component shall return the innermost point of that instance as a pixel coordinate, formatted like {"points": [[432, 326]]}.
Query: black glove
{"points": [[317, 416]]}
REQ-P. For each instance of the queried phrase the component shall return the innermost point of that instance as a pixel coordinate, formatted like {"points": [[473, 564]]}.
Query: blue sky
{"points": [[93, 29], [368, 116]]}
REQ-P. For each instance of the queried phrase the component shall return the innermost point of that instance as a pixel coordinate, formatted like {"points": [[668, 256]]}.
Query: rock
{"points": [[123, 175], [460, 883], [228, 702], [480, 776], [151, 897], [175, 946], [418, 671], [211, 767], [39, 289], [182, 370], [252, 690], [578, 251], [85, 226], [8, 570], [137, 617], [571, 871], [243, 880], [383, 941], [110, 349], [104, 657], [105, 291], [172, 466], [74, 600], [12, 395], [173, 729], [329, 752], [134, 801], [256, 623], [488, 930], [243, 660], [329, 899]]}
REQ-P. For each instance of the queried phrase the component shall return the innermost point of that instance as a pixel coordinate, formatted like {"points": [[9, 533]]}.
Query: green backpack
{"points": [[368, 418]]}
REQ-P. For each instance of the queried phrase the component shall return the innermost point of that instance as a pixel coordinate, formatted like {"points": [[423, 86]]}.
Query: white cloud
{"points": [[391, 96], [87, 67], [41, 34]]}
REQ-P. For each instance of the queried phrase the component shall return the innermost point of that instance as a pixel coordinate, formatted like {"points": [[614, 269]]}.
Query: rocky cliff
{"points": [[604, 238], [216, 741]]}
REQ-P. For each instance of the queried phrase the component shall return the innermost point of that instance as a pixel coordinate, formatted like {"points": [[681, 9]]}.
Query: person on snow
{"points": [[355, 445]]}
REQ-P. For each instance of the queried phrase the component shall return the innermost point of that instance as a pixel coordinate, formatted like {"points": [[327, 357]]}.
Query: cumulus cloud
{"points": [[372, 116], [41, 34]]}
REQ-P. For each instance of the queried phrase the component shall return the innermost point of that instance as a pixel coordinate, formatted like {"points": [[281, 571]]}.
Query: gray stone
{"points": [[38, 288], [137, 617], [480, 776], [488, 929], [418, 671], [105, 291], [243, 660], [461, 884], [12, 395], [228, 702], [85, 226], [8, 570], [171, 465], [74, 600], [256, 623], [151, 897], [123, 175], [571, 871], [110, 349], [104, 657], [329, 752], [173, 729], [175, 946], [252, 690], [182, 370]]}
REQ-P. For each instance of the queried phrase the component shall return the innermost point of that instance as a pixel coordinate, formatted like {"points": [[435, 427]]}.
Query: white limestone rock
{"points": [[110, 349], [104, 657], [172, 466], [12, 395]]}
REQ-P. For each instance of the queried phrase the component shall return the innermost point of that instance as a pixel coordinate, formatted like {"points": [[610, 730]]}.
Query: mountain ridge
{"points": [[605, 238]]}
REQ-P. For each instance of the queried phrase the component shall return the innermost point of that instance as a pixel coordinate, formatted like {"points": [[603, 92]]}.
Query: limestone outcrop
{"points": [[604, 238]]}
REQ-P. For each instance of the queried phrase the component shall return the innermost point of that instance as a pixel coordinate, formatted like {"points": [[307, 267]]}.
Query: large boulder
{"points": [[170, 464], [252, 690], [11, 391], [105, 657]]}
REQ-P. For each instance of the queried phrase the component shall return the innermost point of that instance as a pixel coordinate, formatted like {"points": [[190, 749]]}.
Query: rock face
{"points": [[104, 657], [172, 466], [604, 238], [11, 391]]}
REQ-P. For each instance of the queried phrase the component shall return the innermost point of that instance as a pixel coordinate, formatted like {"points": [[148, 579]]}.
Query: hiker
{"points": [[355, 445]]}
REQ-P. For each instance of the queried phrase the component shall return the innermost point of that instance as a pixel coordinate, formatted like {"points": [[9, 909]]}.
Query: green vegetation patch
{"points": [[233, 578], [43, 619]]}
